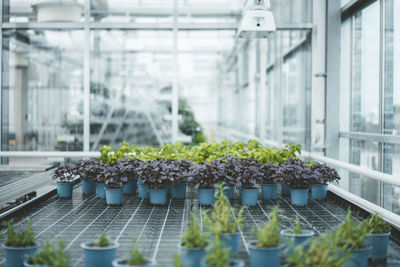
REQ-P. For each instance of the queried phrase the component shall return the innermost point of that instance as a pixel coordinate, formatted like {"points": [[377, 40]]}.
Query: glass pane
{"points": [[391, 166], [291, 11], [365, 154], [43, 11], [345, 76], [365, 93], [42, 103], [392, 68]]}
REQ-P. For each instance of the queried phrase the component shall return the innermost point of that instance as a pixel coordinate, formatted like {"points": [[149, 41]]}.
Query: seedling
{"points": [[193, 237], [51, 257], [136, 256], [269, 234], [219, 255], [375, 225], [103, 241], [297, 229], [25, 238]]}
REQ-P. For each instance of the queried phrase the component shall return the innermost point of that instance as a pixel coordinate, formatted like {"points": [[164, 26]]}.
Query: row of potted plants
{"points": [[350, 243], [155, 178]]}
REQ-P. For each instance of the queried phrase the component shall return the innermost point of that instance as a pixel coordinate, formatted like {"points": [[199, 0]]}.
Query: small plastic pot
{"points": [[229, 192], [130, 188], [206, 196], [28, 263], [291, 240], [158, 196], [261, 256], [379, 245], [194, 256], [99, 256], [285, 189], [178, 191], [88, 187], [269, 191], [15, 256], [299, 197], [101, 190], [143, 190], [232, 241], [319, 191], [122, 263], [64, 189], [358, 257], [249, 196], [114, 196]]}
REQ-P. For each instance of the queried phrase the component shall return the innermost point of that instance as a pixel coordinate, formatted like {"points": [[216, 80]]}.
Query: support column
{"points": [[263, 87], [175, 95]]}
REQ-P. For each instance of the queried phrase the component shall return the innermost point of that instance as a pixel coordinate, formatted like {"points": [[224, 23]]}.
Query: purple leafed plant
{"points": [[157, 173], [297, 174], [250, 173], [204, 175], [229, 171], [65, 172], [270, 174], [112, 176], [128, 167], [324, 174], [88, 169]]}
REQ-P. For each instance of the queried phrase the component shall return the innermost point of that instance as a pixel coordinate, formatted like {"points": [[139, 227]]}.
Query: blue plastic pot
{"points": [[193, 256], [299, 197], [379, 245], [123, 263], [259, 256], [318, 192], [101, 190], [143, 190], [64, 189], [285, 189], [28, 263], [88, 187], [269, 191], [130, 188], [249, 196], [114, 196], [359, 257], [231, 241], [291, 240], [229, 191], [158, 196], [178, 191], [15, 256], [99, 256], [206, 196]]}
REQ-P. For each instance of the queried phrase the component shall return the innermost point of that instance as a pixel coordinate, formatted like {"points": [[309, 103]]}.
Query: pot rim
{"points": [[252, 246], [229, 234], [270, 184], [65, 182], [360, 249], [304, 233], [118, 260], [197, 249], [17, 248], [208, 188], [119, 188], [382, 234], [26, 262], [86, 246], [319, 185], [250, 189], [300, 189]]}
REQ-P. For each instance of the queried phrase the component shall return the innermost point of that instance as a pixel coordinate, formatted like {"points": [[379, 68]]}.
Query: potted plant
{"points": [[227, 170], [178, 171], [322, 175], [378, 233], [65, 173], [296, 236], [99, 253], [268, 247], [128, 169], [18, 245], [250, 175], [224, 221], [87, 170], [136, 258], [203, 181], [154, 174], [194, 243], [269, 181], [322, 251], [100, 180], [220, 256], [49, 257], [350, 236], [115, 178], [298, 176]]}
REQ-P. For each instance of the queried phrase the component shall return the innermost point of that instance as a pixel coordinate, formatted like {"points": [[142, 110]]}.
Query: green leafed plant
{"points": [[322, 252], [25, 238], [350, 234], [223, 218], [218, 255], [297, 229], [103, 241], [50, 256], [269, 235], [136, 257], [375, 225], [193, 237], [177, 260]]}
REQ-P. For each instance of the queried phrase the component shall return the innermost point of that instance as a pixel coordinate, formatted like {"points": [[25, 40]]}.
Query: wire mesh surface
{"points": [[158, 229]]}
